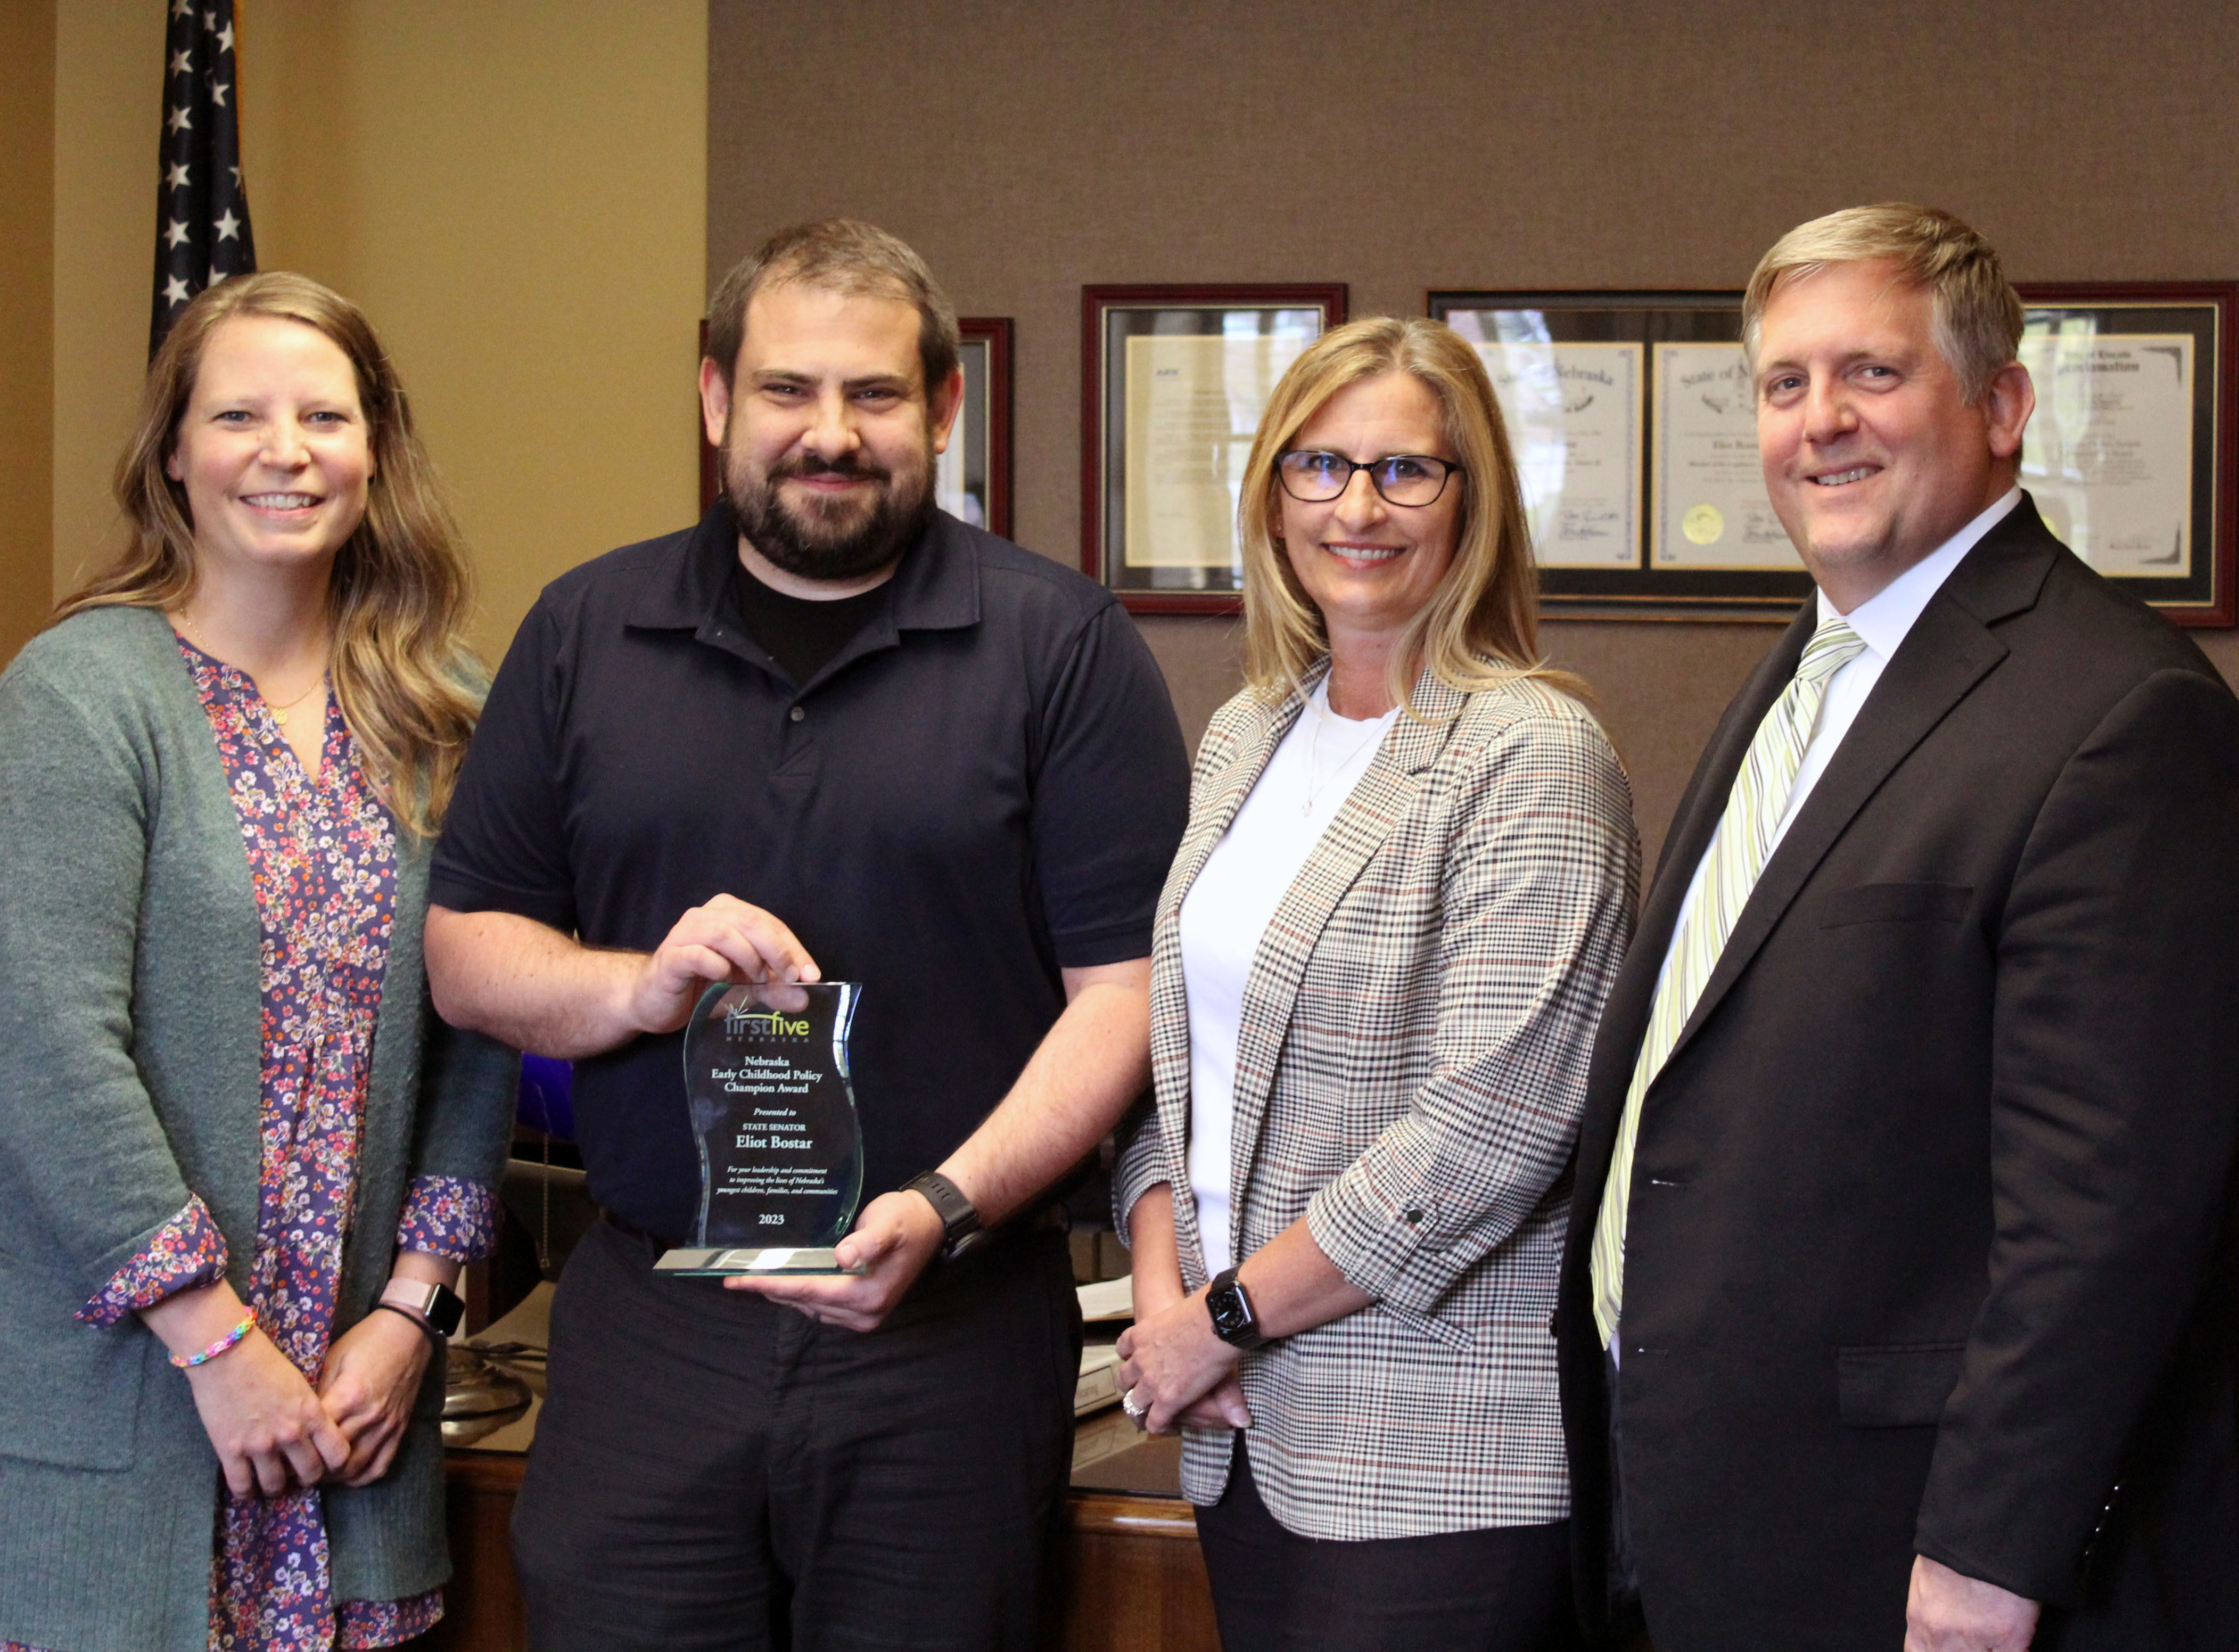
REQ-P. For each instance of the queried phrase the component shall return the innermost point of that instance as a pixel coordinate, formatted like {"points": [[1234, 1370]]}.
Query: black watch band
{"points": [[1234, 1319], [960, 1222]]}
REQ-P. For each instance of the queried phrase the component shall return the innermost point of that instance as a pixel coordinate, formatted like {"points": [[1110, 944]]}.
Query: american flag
{"points": [[202, 212]]}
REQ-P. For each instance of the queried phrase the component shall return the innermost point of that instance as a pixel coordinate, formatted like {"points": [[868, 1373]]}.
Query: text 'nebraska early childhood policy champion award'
{"points": [[781, 1151]]}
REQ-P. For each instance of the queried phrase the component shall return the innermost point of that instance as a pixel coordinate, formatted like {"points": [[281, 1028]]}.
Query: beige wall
{"points": [[27, 344], [108, 91], [515, 192], [1027, 150]]}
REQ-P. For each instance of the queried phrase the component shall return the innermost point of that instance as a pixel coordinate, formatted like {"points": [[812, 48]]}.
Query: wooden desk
{"points": [[1129, 1576]]}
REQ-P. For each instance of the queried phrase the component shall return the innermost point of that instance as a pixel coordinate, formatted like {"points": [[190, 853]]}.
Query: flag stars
{"points": [[182, 63], [176, 177], [218, 90], [176, 235], [175, 291], [181, 9], [228, 226], [225, 38], [180, 118]]}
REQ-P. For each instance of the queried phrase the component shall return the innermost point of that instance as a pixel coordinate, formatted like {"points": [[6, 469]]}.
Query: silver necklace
{"points": [[1315, 784]]}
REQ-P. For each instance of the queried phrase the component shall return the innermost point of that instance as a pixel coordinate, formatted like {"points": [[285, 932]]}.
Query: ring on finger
{"points": [[1127, 1404]]}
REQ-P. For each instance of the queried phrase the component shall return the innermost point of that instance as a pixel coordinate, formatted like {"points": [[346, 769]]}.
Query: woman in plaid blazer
{"points": [[1407, 881]]}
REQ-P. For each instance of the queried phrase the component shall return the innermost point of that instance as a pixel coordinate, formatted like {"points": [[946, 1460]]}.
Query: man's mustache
{"points": [[814, 469]]}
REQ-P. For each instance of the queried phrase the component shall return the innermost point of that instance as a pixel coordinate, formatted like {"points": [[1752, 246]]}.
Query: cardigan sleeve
{"points": [[88, 1175], [187, 1251], [462, 1127], [1536, 908]]}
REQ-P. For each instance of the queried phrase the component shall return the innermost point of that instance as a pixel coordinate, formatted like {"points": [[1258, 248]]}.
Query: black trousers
{"points": [[1506, 1589], [712, 1471]]}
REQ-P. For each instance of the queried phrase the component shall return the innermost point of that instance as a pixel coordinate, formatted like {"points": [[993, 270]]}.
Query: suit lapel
{"points": [[1949, 650], [1382, 799]]}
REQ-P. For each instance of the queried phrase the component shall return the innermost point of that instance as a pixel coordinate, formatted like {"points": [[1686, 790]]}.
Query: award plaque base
{"points": [[807, 1260]]}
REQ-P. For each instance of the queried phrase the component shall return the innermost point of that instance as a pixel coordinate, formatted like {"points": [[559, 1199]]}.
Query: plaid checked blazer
{"points": [[1410, 1069]]}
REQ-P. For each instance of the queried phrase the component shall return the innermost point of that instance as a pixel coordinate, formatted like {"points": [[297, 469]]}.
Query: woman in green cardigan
{"points": [[241, 1162]]}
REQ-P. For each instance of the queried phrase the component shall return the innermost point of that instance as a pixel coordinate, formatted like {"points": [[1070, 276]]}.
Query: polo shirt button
{"points": [[1414, 1215], [797, 714]]}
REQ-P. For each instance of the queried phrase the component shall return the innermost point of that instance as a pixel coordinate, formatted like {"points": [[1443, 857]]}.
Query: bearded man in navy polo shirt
{"points": [[830, 732]]}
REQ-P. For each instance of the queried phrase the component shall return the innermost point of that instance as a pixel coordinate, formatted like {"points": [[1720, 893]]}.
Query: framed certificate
{"points": [[2131, 453], [972, 480], [1634, 434], [1173, 383]]}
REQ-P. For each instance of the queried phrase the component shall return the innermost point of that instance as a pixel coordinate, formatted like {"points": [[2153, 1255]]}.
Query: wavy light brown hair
{"points": [[399, 595], [1481, 627]]}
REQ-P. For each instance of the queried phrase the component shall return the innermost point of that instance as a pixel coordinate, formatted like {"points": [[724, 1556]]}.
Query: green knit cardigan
{"points": [[130, 1050]]}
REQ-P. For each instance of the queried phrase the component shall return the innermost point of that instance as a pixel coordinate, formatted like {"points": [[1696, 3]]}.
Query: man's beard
{"points": [[836, 539]]}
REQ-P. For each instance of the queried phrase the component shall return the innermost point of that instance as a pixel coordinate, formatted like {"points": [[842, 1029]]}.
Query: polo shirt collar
{"points": [[936, 587]]}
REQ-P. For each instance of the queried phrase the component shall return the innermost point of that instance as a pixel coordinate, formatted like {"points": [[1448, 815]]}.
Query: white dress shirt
{"points": [[1882, 622]]}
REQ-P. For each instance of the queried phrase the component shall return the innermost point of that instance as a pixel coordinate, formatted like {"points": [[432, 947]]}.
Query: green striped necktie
{"points": [[1738, 855]]}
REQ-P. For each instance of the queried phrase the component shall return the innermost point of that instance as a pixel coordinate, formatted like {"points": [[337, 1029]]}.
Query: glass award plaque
{"points": [[774, 1115]]}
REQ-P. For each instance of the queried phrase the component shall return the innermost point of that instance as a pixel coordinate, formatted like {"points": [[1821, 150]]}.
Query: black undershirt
{"points": [[803, 635]]}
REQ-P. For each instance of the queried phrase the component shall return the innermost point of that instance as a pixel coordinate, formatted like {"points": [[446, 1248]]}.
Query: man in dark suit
{"points": [[1897, 1306]]}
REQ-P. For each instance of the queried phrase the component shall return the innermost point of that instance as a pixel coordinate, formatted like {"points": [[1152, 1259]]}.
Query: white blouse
{"points": [[1227, 909]]}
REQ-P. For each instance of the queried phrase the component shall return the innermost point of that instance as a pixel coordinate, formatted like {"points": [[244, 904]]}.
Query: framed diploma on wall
{"points": [[972, 480], [2131, 454], [1173, 381], [1636, 444]]}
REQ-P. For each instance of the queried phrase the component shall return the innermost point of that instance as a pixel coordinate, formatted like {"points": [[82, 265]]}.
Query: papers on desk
{"points": [[1108, 1299]]}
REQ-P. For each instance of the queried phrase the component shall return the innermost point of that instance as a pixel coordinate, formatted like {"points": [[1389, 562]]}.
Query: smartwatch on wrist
{"points": [[436, 1306], [1230, 1304], [961, 1232]]}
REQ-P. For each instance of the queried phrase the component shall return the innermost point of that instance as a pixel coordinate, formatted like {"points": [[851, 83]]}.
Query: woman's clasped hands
{"points": [[272, 1429], [1175, 1372]]}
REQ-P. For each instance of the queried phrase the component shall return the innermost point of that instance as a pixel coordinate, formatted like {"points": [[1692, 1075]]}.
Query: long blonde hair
{"points": [[400, 595], [1480, 628]]}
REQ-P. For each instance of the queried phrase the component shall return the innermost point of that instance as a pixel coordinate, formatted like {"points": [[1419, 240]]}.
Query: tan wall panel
{"points": [[1027, 151], [27, 337], [515, 192], [109, 109]]}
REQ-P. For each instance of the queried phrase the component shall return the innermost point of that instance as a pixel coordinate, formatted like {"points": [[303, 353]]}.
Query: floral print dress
{"points": [[322, 859]]}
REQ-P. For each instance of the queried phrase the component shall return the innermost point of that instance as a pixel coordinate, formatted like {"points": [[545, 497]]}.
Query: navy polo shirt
{"points": [[984, 786]]}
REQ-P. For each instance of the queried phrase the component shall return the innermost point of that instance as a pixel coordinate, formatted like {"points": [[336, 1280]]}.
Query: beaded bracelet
{"points": [[184, 1361]]}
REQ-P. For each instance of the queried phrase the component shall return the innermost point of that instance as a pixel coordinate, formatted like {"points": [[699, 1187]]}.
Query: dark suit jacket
{"points": [[1930, 1247]]}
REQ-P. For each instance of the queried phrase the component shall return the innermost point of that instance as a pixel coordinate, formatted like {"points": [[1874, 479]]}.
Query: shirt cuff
{"points": [[448, 1216], [186, 1252]]}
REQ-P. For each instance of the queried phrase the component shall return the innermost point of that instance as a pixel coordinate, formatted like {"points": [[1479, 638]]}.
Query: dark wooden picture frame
{"points": [[987, 400], [2202, 595], [1109, 313], [1641, 591]]}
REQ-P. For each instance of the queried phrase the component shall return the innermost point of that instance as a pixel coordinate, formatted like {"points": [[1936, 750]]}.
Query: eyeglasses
{"points": [[1313, 477]]}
